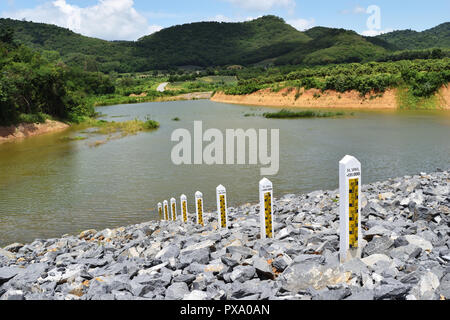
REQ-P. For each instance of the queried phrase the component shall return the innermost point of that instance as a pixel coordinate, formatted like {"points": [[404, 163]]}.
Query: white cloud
{"points": [[108, 19], [223, 18], [375, 32], [359, 10], [356, 10], [302, 24], [263, 5]]}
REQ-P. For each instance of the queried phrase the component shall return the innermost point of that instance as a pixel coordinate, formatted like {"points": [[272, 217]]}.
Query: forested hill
{"points": [[214, 43], [73, 48], [265, 40], [437, 37]]}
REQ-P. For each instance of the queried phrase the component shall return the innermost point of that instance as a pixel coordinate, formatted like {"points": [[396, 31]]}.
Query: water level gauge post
{"points": [[349, 208], [266, 208], [166, 210], [199, 207], [184, 210], [160, 213], [222, 210], [173, 206]]}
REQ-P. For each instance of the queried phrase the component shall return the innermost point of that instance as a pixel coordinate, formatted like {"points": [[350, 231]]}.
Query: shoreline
{"points": [[142, 98], [406, 250], [329, 99], [26, 130]]}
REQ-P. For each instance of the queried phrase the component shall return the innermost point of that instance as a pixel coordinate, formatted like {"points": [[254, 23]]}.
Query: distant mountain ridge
{"points": [[437, 37], [267, 39]]}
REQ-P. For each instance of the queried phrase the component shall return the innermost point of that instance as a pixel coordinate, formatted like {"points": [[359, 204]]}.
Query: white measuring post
{"points": [[349, 209], [266, 208], [166, 210], [184, 210], [160, 212], [173, 207], [222, 210], [199, 207]]}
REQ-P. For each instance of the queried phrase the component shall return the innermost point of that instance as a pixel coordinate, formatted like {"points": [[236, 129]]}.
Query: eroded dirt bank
{"points": [[25, 130], [314, 98]]}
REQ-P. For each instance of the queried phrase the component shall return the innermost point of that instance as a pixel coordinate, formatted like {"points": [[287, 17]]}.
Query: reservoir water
{"points": [[50, 186]]}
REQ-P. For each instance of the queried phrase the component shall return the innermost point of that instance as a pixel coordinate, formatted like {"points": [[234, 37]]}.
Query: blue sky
{"points": [[131, 19]]}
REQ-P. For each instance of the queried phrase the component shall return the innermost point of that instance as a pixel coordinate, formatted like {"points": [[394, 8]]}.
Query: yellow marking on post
{"points": [[160, 213], [184, 212], [174, 213], [200, 212], [353, 212], [222, 212], [268, 214], [166, 212]]}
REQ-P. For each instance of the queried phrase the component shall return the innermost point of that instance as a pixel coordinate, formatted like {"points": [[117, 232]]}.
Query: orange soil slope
{"points": [[313, 98], [25, 130]]}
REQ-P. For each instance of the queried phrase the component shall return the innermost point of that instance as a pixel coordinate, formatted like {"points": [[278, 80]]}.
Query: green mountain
{"points": [[73, 48], [214, 43], [209, 44], [329, 45], [437, 37]]}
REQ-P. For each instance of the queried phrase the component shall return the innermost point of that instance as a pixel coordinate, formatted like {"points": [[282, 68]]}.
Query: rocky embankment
{"points": [[405, 256]]}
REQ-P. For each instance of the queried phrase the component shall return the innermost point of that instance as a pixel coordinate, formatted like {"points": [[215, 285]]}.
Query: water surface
{"points": [[49, 187]]}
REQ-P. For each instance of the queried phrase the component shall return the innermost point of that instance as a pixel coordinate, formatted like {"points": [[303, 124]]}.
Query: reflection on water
{"points": [[49, 187]]}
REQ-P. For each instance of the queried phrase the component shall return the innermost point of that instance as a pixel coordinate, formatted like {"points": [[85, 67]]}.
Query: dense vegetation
{"points": [[267, 40], [33, 88], [437, 37], [422, 77], [215, 44], [288, 114], [87, 53]]}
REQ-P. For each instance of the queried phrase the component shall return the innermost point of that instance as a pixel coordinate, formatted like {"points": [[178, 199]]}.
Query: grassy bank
{"points": [[406, 100], [287, 114], [125, 128]]}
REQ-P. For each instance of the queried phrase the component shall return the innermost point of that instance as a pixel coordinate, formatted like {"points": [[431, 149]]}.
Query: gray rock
{"points": [[177, 291], [328, 295], [15, 247], [377, 230], [372, 260], [7, 255], [378, 245], [32, 273], [282, 262], [186, 278], [361, 295], [420, 242], [301, 276], [13, 295], [196, 295], [355, 266], [200, 256], [444, 287], [171, 251], [400, 242], [397, 291], [229, 261], [208, 244], [426, 287], [406, 253], [243, 273], [243, 251], [263, 268], [7, 273]]}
